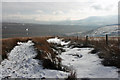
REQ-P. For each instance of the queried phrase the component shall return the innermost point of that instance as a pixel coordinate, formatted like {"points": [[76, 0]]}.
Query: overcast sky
{"points": [[54, 10]]}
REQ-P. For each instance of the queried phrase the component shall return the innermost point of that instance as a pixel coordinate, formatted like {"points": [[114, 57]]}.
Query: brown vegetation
{"points": [[109, 52], [72, 76], [45, 52], [8, 45]]}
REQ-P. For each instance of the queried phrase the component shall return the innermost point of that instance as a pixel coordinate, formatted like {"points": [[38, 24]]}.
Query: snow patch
{"points": [[88, 65], [20, 64], [85, 64], [110, 30], [57, 41]]}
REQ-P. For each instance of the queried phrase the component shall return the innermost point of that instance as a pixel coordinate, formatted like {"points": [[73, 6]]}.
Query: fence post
{"points": [[86, 40], [77, 37], [106, 39], [1, 58]]}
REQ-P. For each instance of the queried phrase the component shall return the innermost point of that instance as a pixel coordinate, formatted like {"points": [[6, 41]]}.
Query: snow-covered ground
{"points": [[57, 41], [85, 64], [20, 64], [110, 30]]}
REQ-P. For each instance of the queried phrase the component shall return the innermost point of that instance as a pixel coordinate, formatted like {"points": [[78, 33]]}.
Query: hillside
{"points": [[111, 30], [90, 22], [51, 57]]}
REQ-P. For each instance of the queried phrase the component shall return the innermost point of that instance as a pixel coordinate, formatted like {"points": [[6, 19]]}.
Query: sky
{"points": [[56, 10]]}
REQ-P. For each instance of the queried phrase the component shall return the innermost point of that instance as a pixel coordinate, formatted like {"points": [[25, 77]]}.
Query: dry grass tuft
{"points": [[8, 45], [45, 52], [110, 53], [72, 76]]}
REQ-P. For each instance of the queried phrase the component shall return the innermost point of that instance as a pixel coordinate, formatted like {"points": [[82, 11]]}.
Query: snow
{"points": [[85, 64], [119, 74], [88, 65], [20, 64], [110, 30], [57, 41], [26, 29]]}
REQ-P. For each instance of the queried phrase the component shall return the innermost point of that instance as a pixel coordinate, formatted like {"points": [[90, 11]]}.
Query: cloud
{"points": [[39, 11], [105, 4], [45, 0], [98, 7], [57, 11]]}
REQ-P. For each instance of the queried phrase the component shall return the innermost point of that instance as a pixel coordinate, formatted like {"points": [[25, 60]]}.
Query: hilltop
{"points": [[57, 57]]}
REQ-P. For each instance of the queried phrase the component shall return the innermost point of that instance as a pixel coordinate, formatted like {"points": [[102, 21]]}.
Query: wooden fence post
{"points": [[106, 39], [86, 40], [1, 58]]}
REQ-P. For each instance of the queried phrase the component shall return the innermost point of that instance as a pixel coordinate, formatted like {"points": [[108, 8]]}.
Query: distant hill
{"points": [[91, 21], [82, 27], [111, 30]]}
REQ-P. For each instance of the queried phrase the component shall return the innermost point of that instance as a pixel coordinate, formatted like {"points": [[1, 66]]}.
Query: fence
{"points": [[87, 39], [106, 39]]}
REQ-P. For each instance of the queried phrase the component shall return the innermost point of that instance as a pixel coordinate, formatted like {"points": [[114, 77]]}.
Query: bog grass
{"points": [[109, 53]]}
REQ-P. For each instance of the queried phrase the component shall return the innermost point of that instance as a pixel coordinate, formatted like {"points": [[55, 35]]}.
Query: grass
{"points": [[44, 49], [109, 53], [72, 76], [8, 45]]}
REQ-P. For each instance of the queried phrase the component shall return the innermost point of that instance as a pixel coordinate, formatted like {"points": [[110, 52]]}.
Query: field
{"points": [[108, 51], [48, 53], [66, 40]]}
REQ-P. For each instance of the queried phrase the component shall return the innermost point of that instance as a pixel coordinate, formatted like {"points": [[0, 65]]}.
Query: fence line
{"points": [[87, 39]]}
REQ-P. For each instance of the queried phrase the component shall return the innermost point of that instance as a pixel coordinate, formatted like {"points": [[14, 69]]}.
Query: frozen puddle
{"points": [[85, 64], [20, 64]]}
